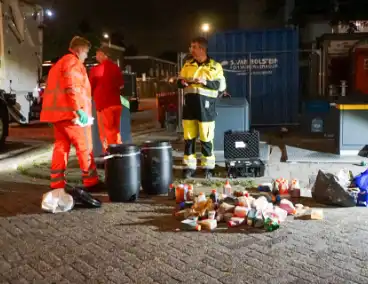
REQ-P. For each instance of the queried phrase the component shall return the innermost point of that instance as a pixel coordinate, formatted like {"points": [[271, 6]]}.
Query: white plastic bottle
{"points": [[227, 189]]}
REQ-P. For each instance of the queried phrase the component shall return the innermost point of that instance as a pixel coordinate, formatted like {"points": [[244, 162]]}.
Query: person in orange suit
{"points": [[66, 99], [107, 82]]}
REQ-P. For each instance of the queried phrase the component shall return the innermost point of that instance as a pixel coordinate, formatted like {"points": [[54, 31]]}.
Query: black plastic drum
{"points": [[156, 167], [123, 173]]}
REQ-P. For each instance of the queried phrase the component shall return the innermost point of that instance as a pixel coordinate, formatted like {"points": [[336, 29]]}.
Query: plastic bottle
{"points": [[208, 224], [235, 222], [201, 197], [171, 194], [179, 193], [258, 220], [190, 193], [227, 188], [244, 202], [241, 211], [295, 191], [212, 215], [214, 196], [271, 225], [190, 225], [287, 206], [276, 196], [284, 187], [251, 217]]}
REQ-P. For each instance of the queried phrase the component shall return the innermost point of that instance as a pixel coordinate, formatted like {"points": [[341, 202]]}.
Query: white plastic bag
{"points": [[344, 177], [261, 203], [56, 201], [275, 214]]}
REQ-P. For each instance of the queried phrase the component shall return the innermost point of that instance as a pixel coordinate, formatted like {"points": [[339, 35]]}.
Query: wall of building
{"points": [[150, 66]]}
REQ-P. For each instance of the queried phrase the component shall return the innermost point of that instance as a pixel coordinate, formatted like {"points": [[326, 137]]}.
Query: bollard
{"points": [[344, 86]]}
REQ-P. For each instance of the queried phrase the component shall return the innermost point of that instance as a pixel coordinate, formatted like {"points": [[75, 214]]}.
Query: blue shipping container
{"points": [[262, 66]]}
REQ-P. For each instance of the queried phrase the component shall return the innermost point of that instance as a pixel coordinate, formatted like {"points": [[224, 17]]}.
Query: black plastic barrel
{"points": [[123, 173], [156, 167]]}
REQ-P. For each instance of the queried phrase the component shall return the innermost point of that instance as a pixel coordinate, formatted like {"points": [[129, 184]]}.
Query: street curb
{"points": [[34, 154]]}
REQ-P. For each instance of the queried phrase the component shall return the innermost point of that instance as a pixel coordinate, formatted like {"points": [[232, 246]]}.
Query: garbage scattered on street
{"points": [[341, 189], [57, 201], [278, 200], [63, 200], [234, 208]]}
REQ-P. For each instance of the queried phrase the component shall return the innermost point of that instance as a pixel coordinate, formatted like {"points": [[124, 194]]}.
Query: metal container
{"points": [[232, 114], [262, 66]]}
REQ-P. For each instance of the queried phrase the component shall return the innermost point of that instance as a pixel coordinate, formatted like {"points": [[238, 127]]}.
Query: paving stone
{"points": [[137, 243]]}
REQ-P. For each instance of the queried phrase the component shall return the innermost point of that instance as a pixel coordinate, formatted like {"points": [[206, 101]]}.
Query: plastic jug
{"points": [[201, 197]]}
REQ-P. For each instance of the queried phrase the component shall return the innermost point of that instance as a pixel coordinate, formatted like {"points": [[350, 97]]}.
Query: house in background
{"points": [[150, 67]]}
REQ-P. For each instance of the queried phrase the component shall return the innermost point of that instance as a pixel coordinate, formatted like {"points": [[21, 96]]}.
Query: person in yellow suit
{"points": [[202, 79]]}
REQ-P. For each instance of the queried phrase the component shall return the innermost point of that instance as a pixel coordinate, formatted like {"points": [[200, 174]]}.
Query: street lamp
{"points": [[49, 13], [205, 29], [107, 36]]}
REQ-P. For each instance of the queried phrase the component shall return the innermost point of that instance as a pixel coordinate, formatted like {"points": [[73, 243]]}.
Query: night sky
{"points": [[154, 26]]}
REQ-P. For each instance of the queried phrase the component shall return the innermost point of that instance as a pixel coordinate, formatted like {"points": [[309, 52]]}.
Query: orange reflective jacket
{"points": [[67, 90]]}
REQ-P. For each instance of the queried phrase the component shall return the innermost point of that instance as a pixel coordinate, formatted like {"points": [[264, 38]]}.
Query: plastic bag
{"points": [[82, 198], [361, 180], [328, 190], [344, 177], [57, 201]]}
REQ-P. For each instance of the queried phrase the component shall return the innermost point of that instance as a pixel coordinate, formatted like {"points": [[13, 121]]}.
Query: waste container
{"points": [[318, 118], [123, 173], [125, 128], [156, 167], [232, 114]]}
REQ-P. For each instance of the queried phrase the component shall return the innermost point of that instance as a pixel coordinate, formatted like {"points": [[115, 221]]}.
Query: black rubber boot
{"points": [[208, 174], [188, 173]]}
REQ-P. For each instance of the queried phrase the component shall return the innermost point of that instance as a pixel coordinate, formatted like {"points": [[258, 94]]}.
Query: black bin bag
{"points": [[328, 191], [82, 198]]}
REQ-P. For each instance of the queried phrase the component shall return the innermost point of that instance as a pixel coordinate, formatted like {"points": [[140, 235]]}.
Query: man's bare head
{"points": [[81, 47], [102, 54], [198, 48]]}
